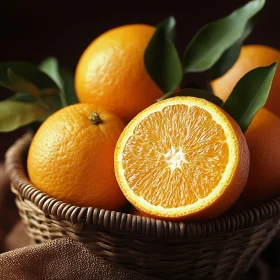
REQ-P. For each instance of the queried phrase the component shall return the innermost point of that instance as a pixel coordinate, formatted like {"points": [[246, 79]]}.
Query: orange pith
{"points": [[177, 157]]}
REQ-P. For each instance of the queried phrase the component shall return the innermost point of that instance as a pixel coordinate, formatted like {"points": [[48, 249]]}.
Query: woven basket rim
{"points": [[54, 208]]}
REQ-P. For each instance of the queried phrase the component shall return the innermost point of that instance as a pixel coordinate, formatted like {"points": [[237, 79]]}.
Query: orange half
{"points": [[180, 158]]}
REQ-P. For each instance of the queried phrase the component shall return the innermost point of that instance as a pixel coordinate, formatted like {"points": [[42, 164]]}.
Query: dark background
{"points": [[32, 29]]}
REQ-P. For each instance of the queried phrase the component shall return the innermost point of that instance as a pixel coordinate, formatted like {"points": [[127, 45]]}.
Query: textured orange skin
{"points": [[251, 56], [231, 193], [111, 72], [72, 159], [263, 138]]}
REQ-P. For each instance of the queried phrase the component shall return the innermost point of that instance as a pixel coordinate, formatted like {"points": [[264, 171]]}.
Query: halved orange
{"points": [[180, 158]]}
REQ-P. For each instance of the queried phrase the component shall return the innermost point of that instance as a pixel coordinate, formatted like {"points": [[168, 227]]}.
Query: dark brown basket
{"points": [[222, 248]]}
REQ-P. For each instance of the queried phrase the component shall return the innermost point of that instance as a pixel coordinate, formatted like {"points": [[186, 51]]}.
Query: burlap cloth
{"points": [[60, 259]]}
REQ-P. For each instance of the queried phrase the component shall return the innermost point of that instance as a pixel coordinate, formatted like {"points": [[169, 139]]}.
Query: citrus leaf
{"points": [[17, 114], [230, 56], [6, 84], [50, 67], [226, 61], [50, 102], [20, 84], [50, 91], [23, 97], [28, 72], [212, 40], [68, 86], [161, 58], [63, 78], [195, 93], [250, 94]]}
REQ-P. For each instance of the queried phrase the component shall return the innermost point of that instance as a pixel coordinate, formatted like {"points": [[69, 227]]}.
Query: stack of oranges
{"points": [[180, 158]]}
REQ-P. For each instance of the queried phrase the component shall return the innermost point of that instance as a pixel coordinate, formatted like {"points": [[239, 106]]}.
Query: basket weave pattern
{"points": [[222, 248]]}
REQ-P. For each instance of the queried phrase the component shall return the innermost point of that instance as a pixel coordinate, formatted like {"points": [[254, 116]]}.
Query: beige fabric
{"points": [[60, 259], [16, 238]]}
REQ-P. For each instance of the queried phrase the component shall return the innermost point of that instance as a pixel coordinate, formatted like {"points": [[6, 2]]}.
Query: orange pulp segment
{"points": [[182, 157]]}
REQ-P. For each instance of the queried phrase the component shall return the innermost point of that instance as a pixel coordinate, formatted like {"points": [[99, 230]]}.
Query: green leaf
{"points": [[20, 84], [226, 61], [230, 56], [195, 93], [250, 94], [27, 72], [63, 78], [68, 86], [17, 114], [161, 58], [212, 40], [51, 68], [23, 97], [50, 102], [6, 84], [50, 91]]}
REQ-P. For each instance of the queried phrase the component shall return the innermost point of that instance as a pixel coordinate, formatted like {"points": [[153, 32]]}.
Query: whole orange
{"points": [[71, 157], [111, 72], [263, 139], [251, 56]]}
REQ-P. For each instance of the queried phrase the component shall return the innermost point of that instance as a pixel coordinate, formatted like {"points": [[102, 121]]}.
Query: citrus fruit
{"points": [[71, 157], [263, 138], [180, 158], [251, 56], [111, 71]]}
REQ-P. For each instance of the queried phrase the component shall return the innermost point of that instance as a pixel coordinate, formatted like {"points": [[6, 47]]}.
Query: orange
{"points": [[111, 72], [263, 138], [251, 56], [71, 157], [180, 158]]}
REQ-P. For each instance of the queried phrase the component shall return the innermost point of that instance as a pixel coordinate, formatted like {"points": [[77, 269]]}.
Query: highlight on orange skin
{"points": [[111, 72]]}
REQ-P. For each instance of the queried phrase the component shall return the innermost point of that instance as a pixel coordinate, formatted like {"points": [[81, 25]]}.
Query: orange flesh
{"points": [[175, 156]]}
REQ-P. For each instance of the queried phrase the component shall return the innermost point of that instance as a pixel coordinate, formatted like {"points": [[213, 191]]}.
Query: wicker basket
{"points": [[222, 248]]}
